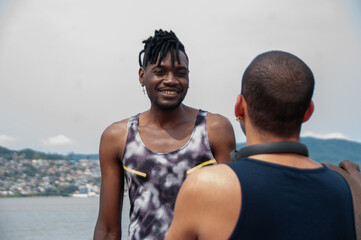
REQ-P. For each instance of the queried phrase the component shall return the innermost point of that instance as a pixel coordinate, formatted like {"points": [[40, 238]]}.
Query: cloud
{"points": [[5, 139], [58, 141], [333, 135]]}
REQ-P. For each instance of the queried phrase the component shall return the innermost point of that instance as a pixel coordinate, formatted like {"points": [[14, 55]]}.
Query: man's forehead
{"points": [[168, 58]]}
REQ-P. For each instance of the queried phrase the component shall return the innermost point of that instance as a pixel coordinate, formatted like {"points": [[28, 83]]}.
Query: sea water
{"points": [[56, 218]]}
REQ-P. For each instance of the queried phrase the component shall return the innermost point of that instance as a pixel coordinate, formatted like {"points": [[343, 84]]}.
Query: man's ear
{"points": [[309, 112], [141, 75], [238, 108]]}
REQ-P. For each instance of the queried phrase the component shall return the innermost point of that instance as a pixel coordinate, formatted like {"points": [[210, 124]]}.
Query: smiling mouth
{"points": [[168, 91]]}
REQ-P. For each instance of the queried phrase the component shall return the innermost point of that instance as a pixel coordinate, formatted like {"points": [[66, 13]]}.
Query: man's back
{"points": [[283, 194], [281, 202], [213, 204]]}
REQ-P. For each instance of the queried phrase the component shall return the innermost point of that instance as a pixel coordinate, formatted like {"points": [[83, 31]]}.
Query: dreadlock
{"points": [[157, 47]]}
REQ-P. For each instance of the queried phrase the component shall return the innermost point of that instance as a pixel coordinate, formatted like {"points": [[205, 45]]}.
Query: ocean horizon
{"points": [[56, 218]]}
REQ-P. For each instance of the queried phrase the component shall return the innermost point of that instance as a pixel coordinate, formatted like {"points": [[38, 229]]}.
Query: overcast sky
{"points": [[69, 68]]}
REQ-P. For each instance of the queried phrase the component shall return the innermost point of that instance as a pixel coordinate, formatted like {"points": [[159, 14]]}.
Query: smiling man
{"points": [[156, 149]]}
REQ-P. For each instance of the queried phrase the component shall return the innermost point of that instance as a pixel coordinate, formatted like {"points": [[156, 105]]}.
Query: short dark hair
{"points": [[156, 48], [278, 88]]}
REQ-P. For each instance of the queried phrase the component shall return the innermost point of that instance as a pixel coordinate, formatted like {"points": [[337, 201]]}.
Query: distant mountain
{"points": [[32, 154], [321, 150], [330, 150], [27, 154], [333, 150]]}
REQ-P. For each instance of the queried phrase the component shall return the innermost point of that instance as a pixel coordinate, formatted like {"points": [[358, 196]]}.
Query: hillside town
{"points": [[40, 177]]}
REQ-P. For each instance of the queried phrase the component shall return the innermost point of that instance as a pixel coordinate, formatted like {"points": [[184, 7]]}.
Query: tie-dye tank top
{"points": [[154, 179]]}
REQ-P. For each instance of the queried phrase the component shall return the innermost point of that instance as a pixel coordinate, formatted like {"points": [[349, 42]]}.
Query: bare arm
{"points": [[351, 172], [112, 143], [221, 137], [353, 169]]}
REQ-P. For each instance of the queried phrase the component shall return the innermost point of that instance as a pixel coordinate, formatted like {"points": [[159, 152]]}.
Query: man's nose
{"points": [[170, 78]]}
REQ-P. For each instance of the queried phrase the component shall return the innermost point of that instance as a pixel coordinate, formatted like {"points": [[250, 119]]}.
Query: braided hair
{"points": [[157, 47]]}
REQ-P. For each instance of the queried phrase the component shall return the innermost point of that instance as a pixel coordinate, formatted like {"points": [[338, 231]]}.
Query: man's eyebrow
{"points": [[181, 67]]}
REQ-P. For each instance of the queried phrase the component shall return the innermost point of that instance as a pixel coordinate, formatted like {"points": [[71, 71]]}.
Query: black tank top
{"points": [[280, 202]]}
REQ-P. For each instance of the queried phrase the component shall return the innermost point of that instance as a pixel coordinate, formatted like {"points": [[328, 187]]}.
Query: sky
{"points": [[69, 68]]}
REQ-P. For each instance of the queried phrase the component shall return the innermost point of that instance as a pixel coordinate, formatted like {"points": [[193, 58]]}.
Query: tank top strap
{"points": [[201, 117], [200, 128], [133, 123], [132, 131]]}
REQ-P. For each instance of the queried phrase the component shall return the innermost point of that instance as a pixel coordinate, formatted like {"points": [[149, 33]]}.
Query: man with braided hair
{"points": [[156, 149]]}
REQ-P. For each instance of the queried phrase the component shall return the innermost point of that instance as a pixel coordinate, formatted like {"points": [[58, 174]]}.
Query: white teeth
{"points": [[169, 92]]}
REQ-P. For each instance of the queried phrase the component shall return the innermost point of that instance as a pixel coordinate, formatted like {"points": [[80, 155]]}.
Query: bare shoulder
{"points": [[217, 120], [208, 204], [221, 136], [201, 185], [113, 139], [211, 186], [217, 124], [116, 129], [218, 177]]}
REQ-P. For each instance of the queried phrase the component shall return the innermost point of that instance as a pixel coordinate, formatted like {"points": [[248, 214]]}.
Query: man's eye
{"points": [[159, 73], [181, 74]]}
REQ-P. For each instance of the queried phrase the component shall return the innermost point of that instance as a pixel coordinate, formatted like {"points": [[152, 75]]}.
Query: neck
{"points": [[252, 140], [256, 136], [164, 117]]}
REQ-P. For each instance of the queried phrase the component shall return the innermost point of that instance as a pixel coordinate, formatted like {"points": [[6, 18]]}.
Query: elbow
{"points": [[107, 233]]}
